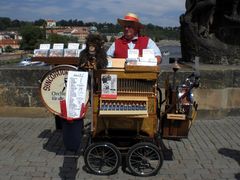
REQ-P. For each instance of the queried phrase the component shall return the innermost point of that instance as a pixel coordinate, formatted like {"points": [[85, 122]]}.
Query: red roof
{"points": [[50, 20], [14, 43]]}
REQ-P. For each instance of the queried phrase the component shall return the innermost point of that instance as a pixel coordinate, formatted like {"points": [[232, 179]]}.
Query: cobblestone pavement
{"points": [[32, 149]]}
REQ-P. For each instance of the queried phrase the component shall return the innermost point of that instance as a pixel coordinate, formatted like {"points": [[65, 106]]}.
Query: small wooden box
{"points": [[175, 126]]}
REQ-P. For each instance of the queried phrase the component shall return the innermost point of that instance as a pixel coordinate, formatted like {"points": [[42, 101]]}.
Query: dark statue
{"points": [[210, 29]]}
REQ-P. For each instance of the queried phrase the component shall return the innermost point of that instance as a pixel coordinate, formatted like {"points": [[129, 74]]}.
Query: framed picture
{"points": [[56, 53], [70, 52], [40, 53], [109, 86]]}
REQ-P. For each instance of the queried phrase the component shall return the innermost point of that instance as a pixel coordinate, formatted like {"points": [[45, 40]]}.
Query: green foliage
{"points": [[4, 23], [70, 23], [155, 32], [9, 49], [40, 22], [159, 33], [31, 36], [112, 39], [55, 38]]}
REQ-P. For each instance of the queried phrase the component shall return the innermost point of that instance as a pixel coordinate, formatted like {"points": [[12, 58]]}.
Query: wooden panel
{"points": [[175, 128], [58, 60], [132, 68], [124, 113], [152, 105], [147, 125], [184, 129], [128, 98], [118, 62], [136, 87], [128, 75], [95, 103]]}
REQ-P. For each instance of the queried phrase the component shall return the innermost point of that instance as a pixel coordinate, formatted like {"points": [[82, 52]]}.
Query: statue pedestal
{"points": [[218, 93]]}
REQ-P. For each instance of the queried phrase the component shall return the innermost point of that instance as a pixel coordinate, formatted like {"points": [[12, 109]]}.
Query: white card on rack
{"points": [[73, 45], [133, 53], [58, 46], [44, 46], [148, 53]]}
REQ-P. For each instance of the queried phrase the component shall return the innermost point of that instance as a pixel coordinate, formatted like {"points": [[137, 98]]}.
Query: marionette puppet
{"points": [[94, 55]]}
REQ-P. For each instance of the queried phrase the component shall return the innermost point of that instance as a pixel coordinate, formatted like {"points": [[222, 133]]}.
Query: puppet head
{"points": [[94, 55]]}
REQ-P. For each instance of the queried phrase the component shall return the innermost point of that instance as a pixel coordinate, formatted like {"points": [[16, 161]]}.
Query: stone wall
{"points": [[5, 57], [19, 91], [217, 96]]}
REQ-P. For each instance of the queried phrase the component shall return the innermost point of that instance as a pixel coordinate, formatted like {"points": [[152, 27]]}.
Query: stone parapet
{"points": [[218, 93], [5, 57], [217, 96]]}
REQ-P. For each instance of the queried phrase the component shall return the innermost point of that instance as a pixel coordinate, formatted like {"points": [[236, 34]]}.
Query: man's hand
{"points": [[159, 59]]}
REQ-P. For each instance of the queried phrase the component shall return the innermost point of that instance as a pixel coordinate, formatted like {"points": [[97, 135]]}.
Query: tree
{"points": [[62, 23], [112, 39], [55, 38], [16, 23], [5, 22], [9, 49], [31, 36], [40, 22]]}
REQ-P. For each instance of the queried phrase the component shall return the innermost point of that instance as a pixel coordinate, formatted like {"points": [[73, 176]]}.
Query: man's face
{"points": [[130, 31]]}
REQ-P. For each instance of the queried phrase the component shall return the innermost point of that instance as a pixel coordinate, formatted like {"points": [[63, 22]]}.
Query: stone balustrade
{"points": [[217, 96]]}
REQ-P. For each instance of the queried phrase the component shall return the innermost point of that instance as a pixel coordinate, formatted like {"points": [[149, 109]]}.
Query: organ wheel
{"points": [[144, 159], [102, 158]]}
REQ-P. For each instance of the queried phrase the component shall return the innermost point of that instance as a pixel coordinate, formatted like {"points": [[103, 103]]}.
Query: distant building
{"points": [[10, 38], [112, 36], [51, 23], [93, 29], [80, 32], [15, 44]]}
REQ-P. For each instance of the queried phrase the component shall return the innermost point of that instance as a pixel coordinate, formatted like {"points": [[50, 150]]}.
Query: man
{"points": [[132, 39]]}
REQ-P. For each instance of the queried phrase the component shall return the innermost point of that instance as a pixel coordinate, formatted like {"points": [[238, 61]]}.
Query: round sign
{"points": [[53, 87]]}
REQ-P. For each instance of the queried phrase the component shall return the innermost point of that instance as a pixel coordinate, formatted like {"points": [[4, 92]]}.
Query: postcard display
{"points": [[58, 50], [72, 50], [148, 58], [42, 51]]}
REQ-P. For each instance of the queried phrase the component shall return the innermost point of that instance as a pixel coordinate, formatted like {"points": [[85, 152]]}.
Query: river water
{"points": [[168, 52]]}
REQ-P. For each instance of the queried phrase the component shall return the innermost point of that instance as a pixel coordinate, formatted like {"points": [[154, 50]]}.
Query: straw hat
{"points": [[130, 19]]}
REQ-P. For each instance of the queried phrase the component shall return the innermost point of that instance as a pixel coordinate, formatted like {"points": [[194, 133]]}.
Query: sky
{"points": [[158, 12]]}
